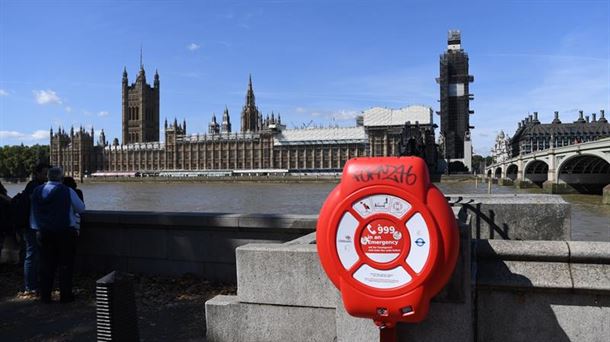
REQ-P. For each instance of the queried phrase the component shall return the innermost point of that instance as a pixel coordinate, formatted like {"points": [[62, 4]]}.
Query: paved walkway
{"points": [[169, 309]]}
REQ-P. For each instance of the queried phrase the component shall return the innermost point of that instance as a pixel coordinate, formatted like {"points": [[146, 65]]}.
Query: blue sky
{"points": [[61, 61]]}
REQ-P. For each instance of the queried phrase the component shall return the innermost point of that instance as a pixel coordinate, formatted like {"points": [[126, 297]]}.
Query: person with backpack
{"points": [[22, 223], [53, 216]]}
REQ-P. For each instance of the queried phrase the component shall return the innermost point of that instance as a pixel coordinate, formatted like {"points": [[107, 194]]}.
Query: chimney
{"points": [[602, 116], [536, 118], [594, 119], [581, 119], [556, 118], [587, 118]]}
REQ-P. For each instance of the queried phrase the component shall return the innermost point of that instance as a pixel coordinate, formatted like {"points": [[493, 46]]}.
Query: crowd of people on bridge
{"points": [[44, 219]]}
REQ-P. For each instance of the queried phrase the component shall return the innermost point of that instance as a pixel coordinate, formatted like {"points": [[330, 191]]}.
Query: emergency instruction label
{"points": [[381, 240]]}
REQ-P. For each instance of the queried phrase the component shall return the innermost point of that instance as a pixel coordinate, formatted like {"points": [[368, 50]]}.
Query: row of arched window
{"points": [[133, 113]]}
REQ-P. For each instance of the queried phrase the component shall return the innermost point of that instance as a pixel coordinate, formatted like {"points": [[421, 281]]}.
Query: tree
{"points": [[17, 161]]}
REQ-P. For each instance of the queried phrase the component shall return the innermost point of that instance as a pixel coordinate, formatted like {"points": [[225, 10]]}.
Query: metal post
{"points": [[388, 334]]}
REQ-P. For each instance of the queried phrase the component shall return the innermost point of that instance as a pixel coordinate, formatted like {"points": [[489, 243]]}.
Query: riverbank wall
{"points": [[204, 243]]}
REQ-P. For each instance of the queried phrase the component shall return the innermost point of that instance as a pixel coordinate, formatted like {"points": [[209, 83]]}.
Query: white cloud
{"points": [[3, 92], [193, 47], [34, 136], [299, 109], [68, 109], [46, 97], [103, 113], [40, 134]]}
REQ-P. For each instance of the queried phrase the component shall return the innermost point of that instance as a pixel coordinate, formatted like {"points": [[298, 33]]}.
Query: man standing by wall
{"points": [[53, 215], [21, 217]]}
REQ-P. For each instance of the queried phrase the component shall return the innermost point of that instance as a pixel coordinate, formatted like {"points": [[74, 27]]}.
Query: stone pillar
{"points": [[606, 195], [520, 170], [551, 185]]}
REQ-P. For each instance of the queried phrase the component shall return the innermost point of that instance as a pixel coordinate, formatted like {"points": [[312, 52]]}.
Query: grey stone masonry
{"points": [[176, 243], [278, 279], [516, 217], [227, 319], [543, 290], [288, 274], [507, 291]]}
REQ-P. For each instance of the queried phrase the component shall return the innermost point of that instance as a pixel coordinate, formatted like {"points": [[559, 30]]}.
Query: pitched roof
{"points": [[321, 136], [378, 116]]}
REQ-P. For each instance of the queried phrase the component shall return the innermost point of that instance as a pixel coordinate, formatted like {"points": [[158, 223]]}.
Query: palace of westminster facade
{"points": [[263, 142]]}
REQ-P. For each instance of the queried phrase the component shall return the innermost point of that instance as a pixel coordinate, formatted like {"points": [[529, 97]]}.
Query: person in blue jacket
{"points": [[53, 215]]}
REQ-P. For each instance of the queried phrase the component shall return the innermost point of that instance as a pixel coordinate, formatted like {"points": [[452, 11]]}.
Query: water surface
{"points": [[590, 218]]}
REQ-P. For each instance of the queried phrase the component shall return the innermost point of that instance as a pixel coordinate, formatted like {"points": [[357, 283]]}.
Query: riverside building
{"points": [[532, 135], [263, 143]]}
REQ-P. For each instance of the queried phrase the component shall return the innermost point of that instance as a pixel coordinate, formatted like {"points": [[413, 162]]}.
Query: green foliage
{"points": [[17, 161], [479, 163]]}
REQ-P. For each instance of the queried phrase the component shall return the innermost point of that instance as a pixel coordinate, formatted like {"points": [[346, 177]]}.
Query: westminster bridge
{"points": [[583, 167]]}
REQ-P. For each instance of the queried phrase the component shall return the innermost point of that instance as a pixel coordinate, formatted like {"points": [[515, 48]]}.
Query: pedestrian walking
{"points": [[54, 209]]}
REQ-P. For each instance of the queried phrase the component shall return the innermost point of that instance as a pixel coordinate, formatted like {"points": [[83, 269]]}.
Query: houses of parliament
{"points": [[263, 142]]}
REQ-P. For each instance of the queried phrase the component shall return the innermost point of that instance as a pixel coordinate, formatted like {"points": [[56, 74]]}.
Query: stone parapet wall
{"points": [[542, 290], [177, 243], [516, 217], [502, 290]]}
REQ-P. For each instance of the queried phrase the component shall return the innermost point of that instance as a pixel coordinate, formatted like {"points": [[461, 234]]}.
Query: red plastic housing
{"points": [[387, 239]]}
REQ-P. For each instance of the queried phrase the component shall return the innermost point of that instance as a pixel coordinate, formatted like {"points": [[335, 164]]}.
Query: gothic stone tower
{"points": [[250, 116], [140, 109], [455, 98]]}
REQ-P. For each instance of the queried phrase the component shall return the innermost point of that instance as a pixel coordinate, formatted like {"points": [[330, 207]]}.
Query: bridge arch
{"points": [[536, 171], [511, 171], [585, 173], [498, 172]]}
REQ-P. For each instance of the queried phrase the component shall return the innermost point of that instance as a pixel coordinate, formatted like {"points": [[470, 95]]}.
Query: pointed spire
{"points": [[124, 74], [175, 123], [141, 64], [165, 123], [184, 125]]}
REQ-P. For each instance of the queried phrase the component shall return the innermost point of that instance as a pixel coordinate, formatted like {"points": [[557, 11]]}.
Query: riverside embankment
{"points": [[591, 219]]}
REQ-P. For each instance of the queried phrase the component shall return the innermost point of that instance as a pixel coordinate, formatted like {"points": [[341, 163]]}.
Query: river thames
{"points": [[590, 218]]}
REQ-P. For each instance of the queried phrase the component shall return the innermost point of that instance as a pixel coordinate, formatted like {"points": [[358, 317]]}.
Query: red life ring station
{"points": [[387, 239]]}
